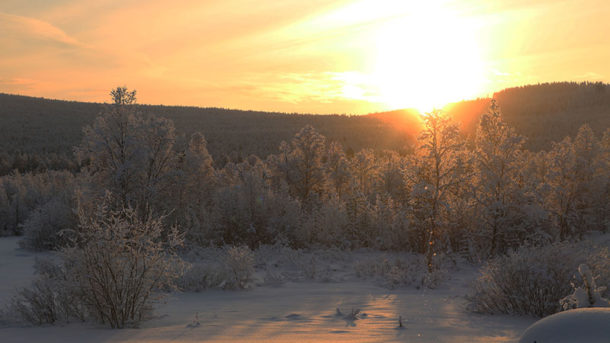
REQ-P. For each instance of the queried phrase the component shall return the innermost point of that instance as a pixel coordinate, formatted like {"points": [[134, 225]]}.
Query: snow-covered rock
{"points": [[590, 325]]}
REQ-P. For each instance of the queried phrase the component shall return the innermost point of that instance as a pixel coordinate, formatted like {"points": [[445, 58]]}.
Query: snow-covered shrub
{"points": [[281, 263], [42, 229], [229, 268], [50, 299], [240, 264], [531, 280], [204, 269], [314, 265], [589, 295], [311, 267], [111, 272], [401, 271], [201, 276], [273, 278], [120, 261], [115, 267]]}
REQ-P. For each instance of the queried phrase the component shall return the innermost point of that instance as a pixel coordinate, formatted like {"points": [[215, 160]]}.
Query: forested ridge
{"points": [[35, 128], [39, 134]]}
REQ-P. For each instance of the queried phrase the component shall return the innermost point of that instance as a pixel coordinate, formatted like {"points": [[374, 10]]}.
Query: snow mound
{"points": [[591, 325]]}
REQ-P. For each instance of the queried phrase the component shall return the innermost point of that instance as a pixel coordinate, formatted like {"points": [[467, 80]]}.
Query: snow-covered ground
{"points": [[16, 267], [291, 312], [590, 325]]}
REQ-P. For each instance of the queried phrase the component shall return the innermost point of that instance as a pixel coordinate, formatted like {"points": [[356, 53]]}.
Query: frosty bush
{"points": [[401, 271], [283, 263], [531, 280], [308, 265], [201, 276], [120, 261], [112, 271], [51, 298], [42, 228], [240, 263], [229, 268]]}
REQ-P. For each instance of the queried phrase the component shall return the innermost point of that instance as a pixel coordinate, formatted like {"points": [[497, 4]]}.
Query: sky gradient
{"points": [[299, 56]]}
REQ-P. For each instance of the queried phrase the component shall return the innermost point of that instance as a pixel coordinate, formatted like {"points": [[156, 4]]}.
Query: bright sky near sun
{"points": [[299, 56]]}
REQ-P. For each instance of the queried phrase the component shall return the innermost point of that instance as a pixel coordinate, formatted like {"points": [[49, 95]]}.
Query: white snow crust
{"points": [[586, 325], [303, 311]]}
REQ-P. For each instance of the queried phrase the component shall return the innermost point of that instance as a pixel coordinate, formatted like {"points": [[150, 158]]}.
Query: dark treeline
{"points": [[478, 198], [549, 112], [38, 134]]}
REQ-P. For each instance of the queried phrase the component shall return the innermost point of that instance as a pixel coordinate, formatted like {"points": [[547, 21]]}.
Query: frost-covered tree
{"points": [[359, 230], [364, 170], [439, 168], [326, 225], [337, 168], [604, 206], [390, 224], [128, 153], [242, 202], [137, 158], [195, 182], [301, 164], [247, 210], [22, 194], [110, 148], [391, 176], [497, 149], [576, 178]]}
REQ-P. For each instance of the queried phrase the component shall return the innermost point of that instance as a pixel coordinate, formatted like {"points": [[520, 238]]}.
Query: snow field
{"points": [[293, 311]]}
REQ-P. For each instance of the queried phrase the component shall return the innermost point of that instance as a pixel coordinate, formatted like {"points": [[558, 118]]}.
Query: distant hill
{"points": [[37, 125], [548, 112], [543, 113]]}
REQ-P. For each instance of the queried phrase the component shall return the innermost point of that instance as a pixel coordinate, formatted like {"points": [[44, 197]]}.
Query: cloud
{"points": [[29, 28], [16, 81], [590, 76], [17, 85], [322, 87], [20, 85]]}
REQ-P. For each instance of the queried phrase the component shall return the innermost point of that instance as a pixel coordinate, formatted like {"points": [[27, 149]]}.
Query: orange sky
{"points": [[299, 56]]}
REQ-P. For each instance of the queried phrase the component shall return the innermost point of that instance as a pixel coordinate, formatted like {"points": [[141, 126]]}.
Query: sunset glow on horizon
{"points": [[299, 56]]}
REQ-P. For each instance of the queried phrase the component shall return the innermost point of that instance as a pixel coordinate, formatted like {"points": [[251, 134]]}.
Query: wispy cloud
{"points": [[593, 76], [17, 83], [30, 28]]}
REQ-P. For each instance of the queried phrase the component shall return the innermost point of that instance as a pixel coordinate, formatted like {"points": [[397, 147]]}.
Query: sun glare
{"points": [[426, 58]]}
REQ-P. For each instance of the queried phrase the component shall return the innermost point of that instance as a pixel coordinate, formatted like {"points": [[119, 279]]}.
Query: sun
{"points": [[426, 58]]}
